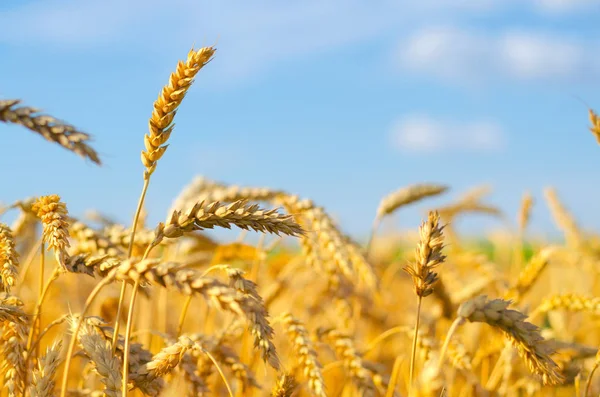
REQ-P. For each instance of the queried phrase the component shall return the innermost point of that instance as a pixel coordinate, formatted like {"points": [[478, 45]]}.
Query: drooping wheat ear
{"points": [[530, 273], [240, 213], [190, 281], [98, 349], [161, 123], [48, 127], [408, 195], [225, 355], [564, 220], [428, 256], [470, 202], [120, 237], [138, 356], [53, 214], [441, 293], [399, 198], [42, 381], [305, 353], [353, 363], [196, 385], [245, 286], [526, 337], [569, 302], [595, 128], [327, 244], [14, 331], [90, 241], [285, 387], [193, 192], [9, 258], [162, 363], [525, 211]]}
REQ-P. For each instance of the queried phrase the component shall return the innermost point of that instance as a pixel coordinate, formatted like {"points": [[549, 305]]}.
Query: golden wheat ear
{"points": [[48, 127]]}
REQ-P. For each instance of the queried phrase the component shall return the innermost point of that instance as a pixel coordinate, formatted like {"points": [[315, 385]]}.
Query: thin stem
{"points": [[457, 323], [38, 307], [86, 306], [128, 327], [258, 259], [37, 323], [127, 335], [119, 310], [394, 380], [129, 253], [413, 354], [54, 323], [588, 383], [220, 372], [374, 228], [28, 261], [384, 335], [183, 314]]}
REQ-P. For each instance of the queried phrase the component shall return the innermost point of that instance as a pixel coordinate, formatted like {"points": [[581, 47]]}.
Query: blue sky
{"points": [[338, 101]]}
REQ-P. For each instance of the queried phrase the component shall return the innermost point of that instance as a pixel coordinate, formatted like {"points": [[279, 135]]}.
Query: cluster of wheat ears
{"points": [[165, 309]]}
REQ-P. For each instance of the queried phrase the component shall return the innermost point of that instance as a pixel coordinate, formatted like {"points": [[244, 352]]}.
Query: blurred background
{"points": [[338, 101]]}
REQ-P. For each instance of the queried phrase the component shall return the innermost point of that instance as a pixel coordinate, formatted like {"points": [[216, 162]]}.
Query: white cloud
{"points": [[424, 134], [454, 53], [253, 36]]}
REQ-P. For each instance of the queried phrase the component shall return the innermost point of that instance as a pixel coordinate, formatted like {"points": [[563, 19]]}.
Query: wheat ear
{"points": [[165, 107], [9, 258], [42, 381], [48, 127], [400, 198], [285, 387], [305, 353], [526, 337]]}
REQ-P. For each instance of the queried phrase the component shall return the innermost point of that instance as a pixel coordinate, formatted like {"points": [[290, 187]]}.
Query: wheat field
{"points": [[160, 310]]}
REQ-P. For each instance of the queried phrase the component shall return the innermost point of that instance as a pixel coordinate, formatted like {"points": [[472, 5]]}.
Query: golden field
{"points": [[165, 309]]}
